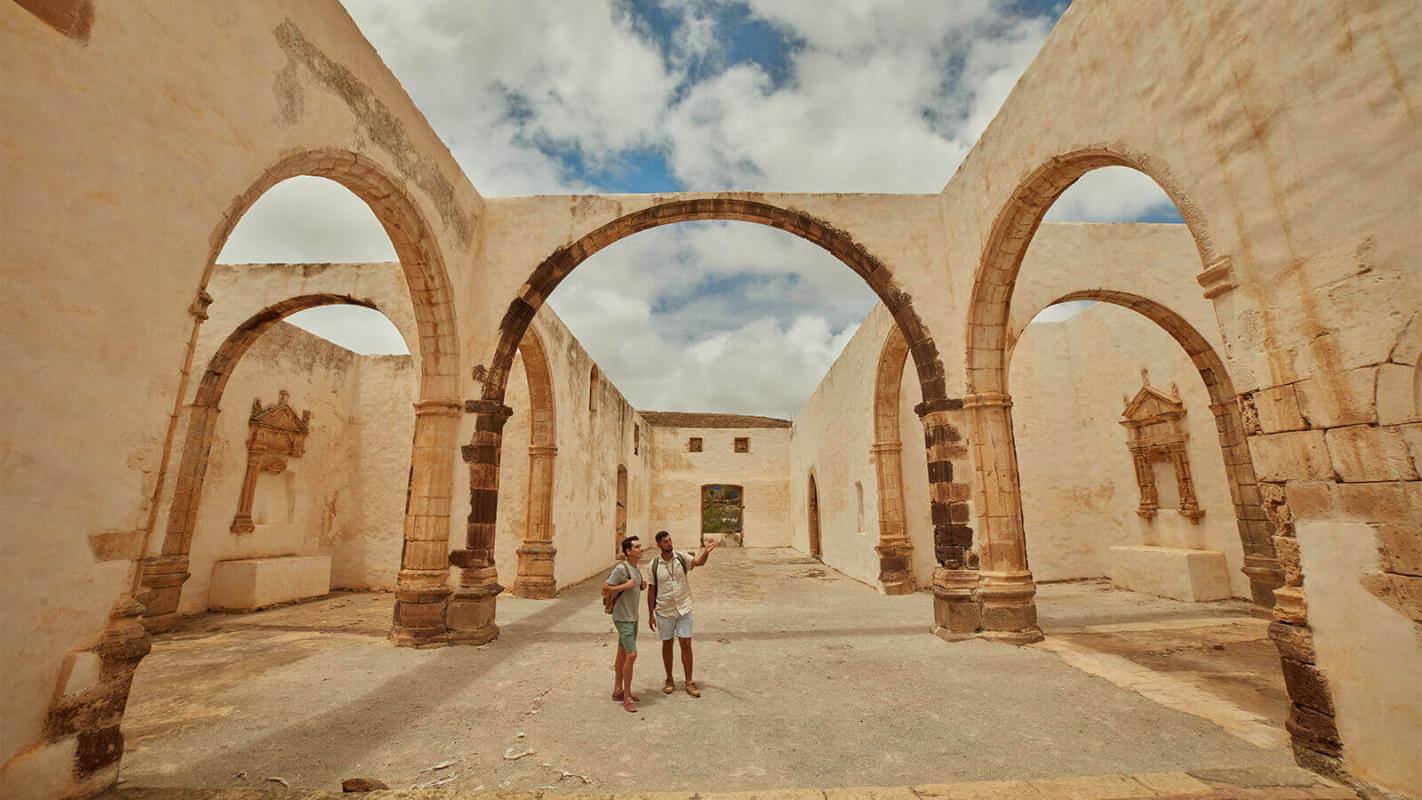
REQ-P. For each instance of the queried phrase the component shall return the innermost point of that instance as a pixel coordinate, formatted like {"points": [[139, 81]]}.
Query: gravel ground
{"points": [[808, 678]]}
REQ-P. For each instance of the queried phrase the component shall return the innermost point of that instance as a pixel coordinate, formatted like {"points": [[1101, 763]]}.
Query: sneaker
{"points": [[692, 689], [669, 686], [628, 705]]}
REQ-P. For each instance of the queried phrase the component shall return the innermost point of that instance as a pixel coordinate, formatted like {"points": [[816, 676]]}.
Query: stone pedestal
{"points": [[1195, 576], [419, 614], [163, 579], [470, 614], [896, 567], [249, 584], [535, 579], [957, 614], [1009, 607]]}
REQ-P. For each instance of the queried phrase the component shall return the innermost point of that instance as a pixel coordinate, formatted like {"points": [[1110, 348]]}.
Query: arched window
{"points": [[593, 379]]}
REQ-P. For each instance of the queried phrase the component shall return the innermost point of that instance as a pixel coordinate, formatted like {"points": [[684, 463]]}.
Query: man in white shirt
{"points": [[669, 601]]}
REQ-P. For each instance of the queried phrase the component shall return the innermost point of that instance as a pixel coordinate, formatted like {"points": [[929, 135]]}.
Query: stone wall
{"points": [[1288, 138], [347, 490], [1079, 492], [596, 428], [679, 474]]}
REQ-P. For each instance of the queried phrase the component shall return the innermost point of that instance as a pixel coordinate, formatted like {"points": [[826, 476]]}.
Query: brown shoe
{"points": [[669, 686], [629, 705], [692, 689]]}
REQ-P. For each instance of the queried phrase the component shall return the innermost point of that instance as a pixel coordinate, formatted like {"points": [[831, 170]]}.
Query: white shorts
{"points": [[673, 626]]}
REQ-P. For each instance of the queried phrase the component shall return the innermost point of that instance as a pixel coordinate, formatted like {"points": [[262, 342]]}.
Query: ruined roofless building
{"points": [[1287, 136]]}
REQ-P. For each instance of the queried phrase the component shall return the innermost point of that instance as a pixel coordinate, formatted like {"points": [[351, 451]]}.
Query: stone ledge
{"points": [[252, 583], [1195, 576]]}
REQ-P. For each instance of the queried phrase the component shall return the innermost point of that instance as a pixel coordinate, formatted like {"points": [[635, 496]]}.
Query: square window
{"points": [[694, 444], [742, 444]]}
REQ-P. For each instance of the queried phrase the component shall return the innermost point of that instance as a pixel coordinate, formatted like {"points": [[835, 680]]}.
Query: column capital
{"points": [[438, 408], [886, 447], [938, 404], [988, 400], [487, 407], [542, 451]]}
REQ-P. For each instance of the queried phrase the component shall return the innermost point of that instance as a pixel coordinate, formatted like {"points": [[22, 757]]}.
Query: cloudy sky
{"points": [[666, 95]]}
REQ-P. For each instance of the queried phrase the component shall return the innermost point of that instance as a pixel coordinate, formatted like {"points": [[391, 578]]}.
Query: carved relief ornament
{"points": [[275, 433], [1155, 431]]}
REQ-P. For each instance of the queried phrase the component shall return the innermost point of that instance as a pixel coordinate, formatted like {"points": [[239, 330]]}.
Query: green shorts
{"points": [[627, 636]]}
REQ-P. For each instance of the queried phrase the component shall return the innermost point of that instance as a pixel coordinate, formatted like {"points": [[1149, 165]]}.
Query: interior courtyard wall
{"points": [[349, 486], [591, 446], [1295, 158], [95, 244], [831, 438], [1079, 491], [678, 476], [1293, 136]]}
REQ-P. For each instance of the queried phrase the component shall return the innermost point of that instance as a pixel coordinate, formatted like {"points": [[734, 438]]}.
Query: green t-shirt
{"points": [[626, 607]]}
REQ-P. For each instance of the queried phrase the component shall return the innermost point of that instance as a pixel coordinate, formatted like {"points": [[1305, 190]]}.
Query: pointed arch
{"points": [[536, 554]]}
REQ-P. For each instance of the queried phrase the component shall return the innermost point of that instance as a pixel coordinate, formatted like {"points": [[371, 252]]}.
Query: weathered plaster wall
{"points": [[1079, 492], [831, 437], [110, 209], [348, 487], [763, 474], [591, 446], [1290, 140], [1289, 137]]}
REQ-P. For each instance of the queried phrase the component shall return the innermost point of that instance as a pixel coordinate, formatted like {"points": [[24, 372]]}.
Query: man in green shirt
{"points": [[626, 583]]}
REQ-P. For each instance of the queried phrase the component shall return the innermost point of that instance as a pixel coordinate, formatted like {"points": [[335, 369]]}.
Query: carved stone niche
{"points": [[274, 434], [1155, 433]]}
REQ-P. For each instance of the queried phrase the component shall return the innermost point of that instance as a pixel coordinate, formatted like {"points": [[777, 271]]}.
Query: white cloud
{"points": [[362, 330], [885, 96], [1110, 194], [307, 220]]}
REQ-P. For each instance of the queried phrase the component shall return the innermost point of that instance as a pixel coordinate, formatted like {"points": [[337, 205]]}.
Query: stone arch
{"points": [[1005, 588], [472, 608], [536, 555], [894, 549], [1255, 532], [423, 578]]}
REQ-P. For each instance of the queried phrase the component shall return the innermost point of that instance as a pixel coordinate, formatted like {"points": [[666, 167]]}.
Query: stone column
{"points": [[471, 610], [1006, 590], [957, 612], [894, 548], [164, 575], [535, 556], [422, 587], [242, 522]]}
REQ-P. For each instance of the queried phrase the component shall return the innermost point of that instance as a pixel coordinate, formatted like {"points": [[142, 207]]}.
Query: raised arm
{"points": [[700, 559]]}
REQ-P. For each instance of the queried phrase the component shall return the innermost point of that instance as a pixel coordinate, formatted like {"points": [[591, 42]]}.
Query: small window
{"points": [[742, 444], [592, 390], [636, 438], [694, 444]]}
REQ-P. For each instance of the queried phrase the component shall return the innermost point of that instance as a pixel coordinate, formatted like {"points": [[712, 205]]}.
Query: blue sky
{"points": [[668, 95]]}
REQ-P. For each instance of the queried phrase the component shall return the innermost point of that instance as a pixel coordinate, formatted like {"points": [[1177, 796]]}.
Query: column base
{"points": [[957, 612], [535, 579], [163, 580], [1009, 607], [419, 617], [470, 613], [534, 589], [896, 568], [1264, 577]]}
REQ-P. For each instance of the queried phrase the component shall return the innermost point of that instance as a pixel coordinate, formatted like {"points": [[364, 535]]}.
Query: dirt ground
{"points": [[809, 679]]}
